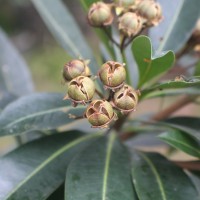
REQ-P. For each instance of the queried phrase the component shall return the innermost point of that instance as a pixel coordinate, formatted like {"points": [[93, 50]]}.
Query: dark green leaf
{"points": [[181, 25], [148, 66], [14, 74], [156, 178], [45, 111], [179, 83], [181, 141], [58, 194], [65, 29], [37, 169], [190, 125], [195, 177], [101, 171]]}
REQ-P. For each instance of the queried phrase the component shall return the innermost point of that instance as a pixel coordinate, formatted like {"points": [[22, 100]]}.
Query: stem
{"points": [[122, 44], [110, 37], [192, 165], [111, 94], [173, 108]]}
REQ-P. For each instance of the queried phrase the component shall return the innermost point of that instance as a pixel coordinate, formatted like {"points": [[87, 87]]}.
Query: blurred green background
{"points": [[44, 56]]}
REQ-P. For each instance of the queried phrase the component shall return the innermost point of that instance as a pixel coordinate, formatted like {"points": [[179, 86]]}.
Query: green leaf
{"points": [[101, 171], [170, 92], [37, 169], [181, 141], [190, 125], [5, 99], [14, 73], [197, 69], [181, 25], [156, 178], [179, 83], [45, 111], [148, 66], [195, 177], [58, 194], [65, 29]]}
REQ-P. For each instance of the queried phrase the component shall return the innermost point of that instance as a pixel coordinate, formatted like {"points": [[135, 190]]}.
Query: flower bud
{"points": [[75, 68], [100, 14], [112, 74], [151, 11], [100, 113], [81, 90], [130, 24], [125, 3], [126, 99]]}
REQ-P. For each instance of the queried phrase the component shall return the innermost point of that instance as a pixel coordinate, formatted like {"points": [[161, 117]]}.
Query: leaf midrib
{"points": [[155, 172], [51, 158], [184, 144], [107, 163], [64, 109]]}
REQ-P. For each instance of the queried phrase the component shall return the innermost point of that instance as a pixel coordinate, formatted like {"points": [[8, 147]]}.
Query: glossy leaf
{"points": [[149, 66], [156, 178], [178, 83], [65, 29], [36, 169], [179, 21], [14, 73], [181, 141], [45, 111], [101, 171], [190, 125], [170, 92]]}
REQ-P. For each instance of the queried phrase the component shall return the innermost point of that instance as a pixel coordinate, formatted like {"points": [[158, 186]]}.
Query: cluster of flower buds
{"points": [[132, 15], [81, 90]]}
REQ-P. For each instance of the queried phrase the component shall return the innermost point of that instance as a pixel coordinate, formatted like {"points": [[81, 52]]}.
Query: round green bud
{"points": [[81, 89], [112, 74], [100, 113], [100, 14], [151, 11], [126, 99], [75, 68], [130, 24]]}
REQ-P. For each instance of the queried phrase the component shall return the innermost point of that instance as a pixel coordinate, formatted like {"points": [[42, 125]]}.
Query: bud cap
{"points": [[100, 113], [100, 14], [112, 74]]}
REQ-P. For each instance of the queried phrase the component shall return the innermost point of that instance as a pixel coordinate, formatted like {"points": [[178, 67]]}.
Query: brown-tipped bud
{"points": [[151, 11], [81, 90], [126, 99], [100, 14], [100, 113], [75, 68], [112, 74], [130, 24]]}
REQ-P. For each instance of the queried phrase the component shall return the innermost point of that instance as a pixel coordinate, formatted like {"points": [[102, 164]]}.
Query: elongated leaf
{"points": [[195, 177], [148, 66], [100, 172], [182, 141], [175, 84], [171, 92], [65, 30], [155, 178], [6, 98], [177, 25], [45, 111], [37, 169], [58, 194], [14, 73], [191, 125]]}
